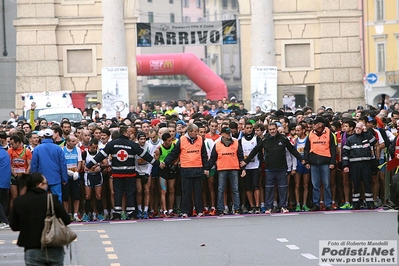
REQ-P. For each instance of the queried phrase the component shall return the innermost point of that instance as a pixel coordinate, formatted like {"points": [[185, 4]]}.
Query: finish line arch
{"points": [[183, 64]]}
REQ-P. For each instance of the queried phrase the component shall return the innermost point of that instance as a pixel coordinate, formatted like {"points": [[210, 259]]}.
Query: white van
{"points": [[57, 114], [45, 100]]}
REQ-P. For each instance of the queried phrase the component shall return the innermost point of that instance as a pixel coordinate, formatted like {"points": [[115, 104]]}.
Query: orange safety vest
{"points": [[227, 156], [320, 145], [190, 154]]}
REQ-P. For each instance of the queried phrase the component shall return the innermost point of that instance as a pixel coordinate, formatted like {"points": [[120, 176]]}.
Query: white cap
{"points": [[47, 132]]}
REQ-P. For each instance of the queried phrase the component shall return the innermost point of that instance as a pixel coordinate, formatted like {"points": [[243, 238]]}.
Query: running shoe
{"points": [[194, 213], [123, 216], [173, 214], [276, 209], [93, 217], [334, 206], [298, 208], [346, 206], [235, 212], [205, 211], [200, 214], [251, 211], [106, 214], [268, 211], [257, 210], [184, 215], [100, 217], [212, 212], [370, 205], [284, 210], [85, 218], [315, 208], [5, 226], [322, 206], [116, 216], [244, 209], [226, 211], [263, 209], [305, 208], [76, 218], [139, 214], [131, 215], [145, 215], [220, 213], [151, 215], [165, 215]]}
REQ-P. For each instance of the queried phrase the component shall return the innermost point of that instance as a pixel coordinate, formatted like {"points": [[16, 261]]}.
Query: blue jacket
{"points": [[5, 169], [49, 160]]}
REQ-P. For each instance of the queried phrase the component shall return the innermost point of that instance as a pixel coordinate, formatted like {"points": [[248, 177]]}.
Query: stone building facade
{"points": [[317, 44]]}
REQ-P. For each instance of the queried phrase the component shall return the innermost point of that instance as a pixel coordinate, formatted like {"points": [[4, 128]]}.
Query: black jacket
{"points": [[28, 214], [274, 151], [123, 152], [357, 148]]}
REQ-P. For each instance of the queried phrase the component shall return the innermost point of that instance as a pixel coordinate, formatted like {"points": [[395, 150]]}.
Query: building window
{"points": [[72, 64], [170, 1], [379, 10], [151, 17], [199, 4], [380, 57], [150, 1], [186, 3], [224, 4], [297, 55], [216, 15], [233, 4], [187, 19], [172, 17]]}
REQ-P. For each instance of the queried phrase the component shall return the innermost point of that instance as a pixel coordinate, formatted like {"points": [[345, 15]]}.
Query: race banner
{"points": [[115, 90], [178, 34]]}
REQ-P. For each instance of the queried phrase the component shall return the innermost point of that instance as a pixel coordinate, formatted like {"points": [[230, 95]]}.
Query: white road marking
{"points": [[382, 210], [123, 222], [176, 220], [230, 217], [284, 214], [338, 212], [112, 256], [309, 256], [282, 240], [292, 247]]}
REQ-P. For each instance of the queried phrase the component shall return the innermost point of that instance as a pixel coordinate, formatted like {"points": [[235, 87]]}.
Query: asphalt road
{"points": [[277, 239]]}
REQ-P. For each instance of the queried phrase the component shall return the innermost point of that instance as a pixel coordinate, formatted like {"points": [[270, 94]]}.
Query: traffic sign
{"points": [[372, 78]]}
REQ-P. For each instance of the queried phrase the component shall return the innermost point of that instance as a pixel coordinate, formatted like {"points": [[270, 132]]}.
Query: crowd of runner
{"points": [[211, 158]]}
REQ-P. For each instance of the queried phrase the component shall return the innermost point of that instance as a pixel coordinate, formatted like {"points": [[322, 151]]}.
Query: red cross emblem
{"points": [[122, 155]]}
